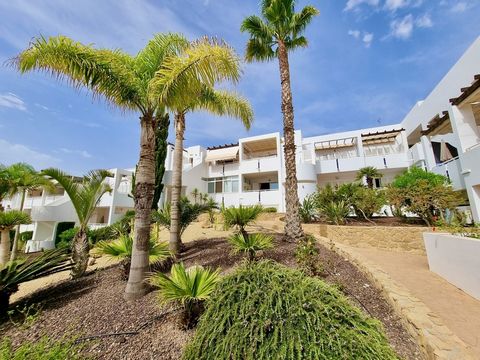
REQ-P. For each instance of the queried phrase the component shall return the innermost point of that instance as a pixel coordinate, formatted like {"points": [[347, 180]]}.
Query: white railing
{"points": [[260, 165], [452, 170], [263, 197]]}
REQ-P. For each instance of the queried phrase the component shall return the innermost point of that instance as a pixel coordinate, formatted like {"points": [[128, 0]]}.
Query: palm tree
{"points": [[273, 37], [241, 217], [126, 82], [22, 178], [249, 245], [8, 220], [218, 103], [195, 193], [369, 173], [84, 196]]}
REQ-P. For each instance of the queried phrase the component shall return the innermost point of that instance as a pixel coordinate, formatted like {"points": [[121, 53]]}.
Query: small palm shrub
{"points": [[240, 217], [268, 311], [122, 249], [189, 287], [43, 349], [249, 245], [308, 209], [188, 213], [335, 212], [270, 210], [15, 272]]}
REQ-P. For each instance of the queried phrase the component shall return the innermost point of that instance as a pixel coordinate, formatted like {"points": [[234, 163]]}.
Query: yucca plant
{"points": [[16, 272], [122, 249], [308, 209], [240, 217], [189, 287], [8, 220], [335, 212], [249, 245]]}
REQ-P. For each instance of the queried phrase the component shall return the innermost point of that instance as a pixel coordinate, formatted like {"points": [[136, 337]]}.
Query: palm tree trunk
{"points": [[175, 242], [13, 255], [143, 197], [293, 227], [4, 246], [80, 253]]}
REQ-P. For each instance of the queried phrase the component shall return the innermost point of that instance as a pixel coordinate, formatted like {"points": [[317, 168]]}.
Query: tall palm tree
{"points": [[21, 179], [8, 220], [273, 36], [4, 187], [84, 196], [126, 82], [215, 102], [369, 173]]}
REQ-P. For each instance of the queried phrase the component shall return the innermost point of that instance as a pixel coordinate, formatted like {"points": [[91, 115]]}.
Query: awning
{"points": [[335, 144], [380, 137], [229, 153], [439, 125]]}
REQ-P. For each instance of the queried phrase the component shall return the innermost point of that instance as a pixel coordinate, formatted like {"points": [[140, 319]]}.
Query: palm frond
{"points": [[241, 216], [225, 103], [186, 285], [205, 63], [302, 19], [251, 243], [105, 72], [13, 218]]}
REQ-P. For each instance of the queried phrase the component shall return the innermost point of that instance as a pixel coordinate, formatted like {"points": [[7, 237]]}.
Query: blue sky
{"points": [[368, 62]]}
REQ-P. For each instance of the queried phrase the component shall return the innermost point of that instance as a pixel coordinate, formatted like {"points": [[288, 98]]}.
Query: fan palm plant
{"points": [[122, 249], [126, 82], [16, 272], [273, 36], [250, 244], [241, 216], [189, 287], [8, 220], [22, 178], [188, 213], [369, 173], [84, 196]]}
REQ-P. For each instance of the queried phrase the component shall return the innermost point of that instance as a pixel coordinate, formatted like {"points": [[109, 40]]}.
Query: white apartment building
{"points": [[440, 133]]}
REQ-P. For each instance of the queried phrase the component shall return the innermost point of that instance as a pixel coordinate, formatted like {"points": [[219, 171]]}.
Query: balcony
{"points": [[265, 198], [261, 164], [453, 171], [389, 161], [227, 169]]}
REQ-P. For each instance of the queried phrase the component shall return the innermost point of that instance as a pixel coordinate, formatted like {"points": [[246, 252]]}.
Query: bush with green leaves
{"points": [[423, 193], [270, 209], [268, 311], [240, 217], [308, 209], [43, 349], [335, 212], [251, 244], [13, 273], [188, 213], [307, 256], [189, 287], [368, 201], [121, 249]]}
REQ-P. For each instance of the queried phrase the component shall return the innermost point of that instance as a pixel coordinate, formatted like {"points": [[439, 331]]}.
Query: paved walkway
{"points": [[460, 312]]}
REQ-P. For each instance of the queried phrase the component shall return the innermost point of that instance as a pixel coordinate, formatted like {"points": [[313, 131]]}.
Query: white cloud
{"points": [[10, 100], [459, 7], [353, 4], [11, 153], [82, 153], [354, 33], [42, 106], [424, 21], [402, 29], [367, 39], [393, 5]]}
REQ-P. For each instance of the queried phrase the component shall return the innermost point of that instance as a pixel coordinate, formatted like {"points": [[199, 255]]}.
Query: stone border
{"points": [[435, 339]]}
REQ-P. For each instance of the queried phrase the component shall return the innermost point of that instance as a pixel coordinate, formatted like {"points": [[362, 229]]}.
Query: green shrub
{"points": [[268, 311], [240, 217], [335, 212], [26, 235], [66, 237], [105, 233], [368, 201], [306, 255], [43, 349], [270, 210], [189, 287], [308, 209], [250, 244]]}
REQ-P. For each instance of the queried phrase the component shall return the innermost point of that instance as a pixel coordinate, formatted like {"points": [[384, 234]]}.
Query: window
{"points": [[227, 184], [269, 186], [378, 183]]}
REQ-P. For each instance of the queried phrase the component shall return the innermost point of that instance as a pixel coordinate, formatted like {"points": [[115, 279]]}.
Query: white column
{"points": [[464, 126], [428, 152]]}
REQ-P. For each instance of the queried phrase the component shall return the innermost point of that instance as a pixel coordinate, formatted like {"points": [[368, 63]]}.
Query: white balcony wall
{"points": [[416, 154], [32, 201], [229, 199], [326, 166], [264, 164], [219, 170], [391, 161], [263, 197], [452, 170]]}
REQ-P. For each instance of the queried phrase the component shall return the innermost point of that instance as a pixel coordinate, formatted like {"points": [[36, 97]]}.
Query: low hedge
{"points": [[267, 311]]}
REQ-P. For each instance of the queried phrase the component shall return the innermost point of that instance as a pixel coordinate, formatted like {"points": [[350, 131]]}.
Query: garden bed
{"points": [[94, 306]]}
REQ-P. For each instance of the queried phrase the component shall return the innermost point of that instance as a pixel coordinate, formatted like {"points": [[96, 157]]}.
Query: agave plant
{"points": [[308, 209], [241, 216], [189, 287], [250, 244], [16, 272], [335, 212], [122, 249]]}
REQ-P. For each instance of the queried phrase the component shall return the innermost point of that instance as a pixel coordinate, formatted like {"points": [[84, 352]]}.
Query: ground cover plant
{"points": [[267, 311]]}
